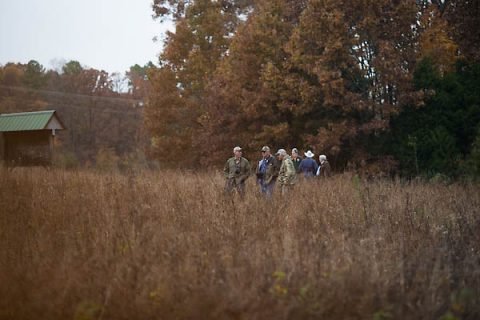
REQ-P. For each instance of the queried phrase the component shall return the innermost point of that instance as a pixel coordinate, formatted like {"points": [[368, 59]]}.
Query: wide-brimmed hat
{"points": [[309, 154], [237, 148]]}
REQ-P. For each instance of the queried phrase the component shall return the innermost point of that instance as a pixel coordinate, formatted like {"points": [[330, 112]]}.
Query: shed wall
{"points": [[28, 147]]}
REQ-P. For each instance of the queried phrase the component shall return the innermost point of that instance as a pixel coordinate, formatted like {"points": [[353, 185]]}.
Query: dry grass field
{"points": [[168, 245]]}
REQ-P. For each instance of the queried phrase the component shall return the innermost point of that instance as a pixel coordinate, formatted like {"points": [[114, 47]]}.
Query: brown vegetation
{"points": [[87, 245]]}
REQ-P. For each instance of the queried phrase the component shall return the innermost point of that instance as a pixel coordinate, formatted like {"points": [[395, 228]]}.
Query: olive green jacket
{"points": [[230, 170], [287, 174]]}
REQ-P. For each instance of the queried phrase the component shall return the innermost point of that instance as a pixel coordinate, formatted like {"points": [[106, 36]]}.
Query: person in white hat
{"points": [[308, 165], [287, 174], [236, 171]]}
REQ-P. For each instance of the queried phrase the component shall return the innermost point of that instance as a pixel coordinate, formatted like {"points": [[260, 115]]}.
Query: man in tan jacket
{"points": [[287, 175]]}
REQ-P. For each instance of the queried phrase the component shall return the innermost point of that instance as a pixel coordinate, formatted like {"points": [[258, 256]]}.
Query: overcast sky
{"points": [[103, 34]]}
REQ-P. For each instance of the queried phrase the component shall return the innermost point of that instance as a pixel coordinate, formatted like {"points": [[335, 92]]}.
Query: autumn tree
{"points": [[316, 74], [243, 108], [13, 74], [435, 41], [463, 17], [21, 77], [89, 81], [53, 81], [349, 70], [171, 128], [202, 35], [137, 77], [178, 9]]}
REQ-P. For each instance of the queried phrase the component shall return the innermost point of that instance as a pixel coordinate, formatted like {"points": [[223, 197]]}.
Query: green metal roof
{"points": [[25, 121]]}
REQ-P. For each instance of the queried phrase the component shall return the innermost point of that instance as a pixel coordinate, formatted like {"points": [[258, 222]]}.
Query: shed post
{"points": [[52, 146]]}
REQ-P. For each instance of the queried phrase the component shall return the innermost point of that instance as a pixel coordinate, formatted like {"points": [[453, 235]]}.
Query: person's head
{"points": [[322, 158], [294, 153], [237, 151], [309, 154], [265, 151], [281, 154]]}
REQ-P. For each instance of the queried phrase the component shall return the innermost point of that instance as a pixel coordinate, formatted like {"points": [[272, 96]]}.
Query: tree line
{"points": [[72, 77], [380, 86]]}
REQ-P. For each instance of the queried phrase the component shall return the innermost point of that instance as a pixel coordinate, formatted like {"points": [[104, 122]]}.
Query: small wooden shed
{"points": [[28, 138]]}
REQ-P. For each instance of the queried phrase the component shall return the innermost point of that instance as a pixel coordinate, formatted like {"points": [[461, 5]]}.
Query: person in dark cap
{"points": [[236, 171], [267, 172]]}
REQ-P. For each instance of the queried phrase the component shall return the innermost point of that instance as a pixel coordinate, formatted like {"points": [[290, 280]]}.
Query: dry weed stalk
{"points": [[85, 245]]}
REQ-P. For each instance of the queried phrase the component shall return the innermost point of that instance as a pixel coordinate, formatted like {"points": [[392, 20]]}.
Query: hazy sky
{"points": [[104, 34]]}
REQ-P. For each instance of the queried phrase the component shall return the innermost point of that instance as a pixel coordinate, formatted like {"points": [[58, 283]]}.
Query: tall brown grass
{"points": [[169, 245]]}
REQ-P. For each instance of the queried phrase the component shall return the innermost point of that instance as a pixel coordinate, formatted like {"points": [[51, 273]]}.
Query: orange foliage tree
{"points": [[312, 74], [203, 32]]}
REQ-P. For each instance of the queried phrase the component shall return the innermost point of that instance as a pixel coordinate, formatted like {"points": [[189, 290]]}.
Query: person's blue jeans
{"points": [[267, 189]]}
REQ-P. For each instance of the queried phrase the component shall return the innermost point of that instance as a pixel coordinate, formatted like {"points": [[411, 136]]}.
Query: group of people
{"points": [[281, 169]]}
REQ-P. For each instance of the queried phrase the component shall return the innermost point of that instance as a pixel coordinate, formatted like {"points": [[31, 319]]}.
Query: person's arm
{"points": [[257, 171], [280, 174], [315, 167], [300, 166], [277, 164], [247, 171]]}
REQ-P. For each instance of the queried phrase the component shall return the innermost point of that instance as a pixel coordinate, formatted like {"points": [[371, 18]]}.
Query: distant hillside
{"points": [[94, 123]]}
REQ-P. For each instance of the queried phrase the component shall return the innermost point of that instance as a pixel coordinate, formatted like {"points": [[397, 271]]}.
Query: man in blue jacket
{"points": [[267, 172], [308, 165]]}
